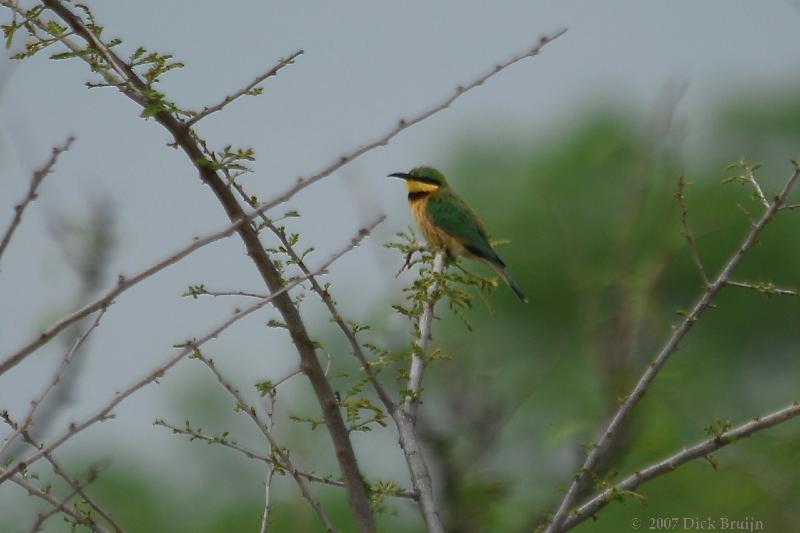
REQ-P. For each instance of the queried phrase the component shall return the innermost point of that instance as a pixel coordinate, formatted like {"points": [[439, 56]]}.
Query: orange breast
{"points": [[437, 239]]}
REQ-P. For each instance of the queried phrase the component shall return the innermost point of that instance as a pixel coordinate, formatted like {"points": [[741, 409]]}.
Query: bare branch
{"points": [[185, 139], [791, 206], [679, 332], [293, 373], [94, 471], [248, 88], [36, 179], [36, 402], [326, 298], [670, 463], [270, 425], [265, 430], [62, 506], [687, 232], [123, 284], [78, 488], [409, 441], [187, 348], [764, 287], [405, 123], [206, 292], [41, 518]]}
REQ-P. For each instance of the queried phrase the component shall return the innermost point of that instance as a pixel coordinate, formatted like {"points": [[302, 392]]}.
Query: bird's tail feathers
{"points": [[501, 271]]}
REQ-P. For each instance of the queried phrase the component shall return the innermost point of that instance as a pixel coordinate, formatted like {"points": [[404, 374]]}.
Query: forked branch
{"points": [[670, 463], [36, 179], [678, 333], [105, 412]]}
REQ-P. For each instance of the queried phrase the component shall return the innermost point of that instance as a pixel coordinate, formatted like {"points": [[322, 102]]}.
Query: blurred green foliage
{"points": [[596, 243]]}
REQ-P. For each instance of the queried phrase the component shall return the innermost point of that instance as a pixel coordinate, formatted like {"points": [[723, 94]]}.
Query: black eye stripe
{"points": [[426, 179]]}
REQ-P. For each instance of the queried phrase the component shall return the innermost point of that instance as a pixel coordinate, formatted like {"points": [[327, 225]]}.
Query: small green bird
{"points": [[448, 223]]}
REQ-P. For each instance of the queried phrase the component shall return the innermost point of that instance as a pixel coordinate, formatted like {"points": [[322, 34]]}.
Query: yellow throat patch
{"points": [[420, 186]]}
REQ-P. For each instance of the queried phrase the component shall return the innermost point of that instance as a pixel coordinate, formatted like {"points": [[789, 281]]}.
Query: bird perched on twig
{"points": [[448, 223]]}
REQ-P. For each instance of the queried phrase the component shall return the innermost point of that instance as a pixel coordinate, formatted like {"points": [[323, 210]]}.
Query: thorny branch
{"points": [[36, 179], [78, 487], [276, 448], [405, 123], [123, 284], [62, 506], [679, 332], [326, 298], [687, 232], [765, 288], [247, 89], [270, 425], [43, 517], [669, 464], [206, 292], [186, 139], [409, 440], [36, 402], [196, 434], [188, 347], [122, 76]]}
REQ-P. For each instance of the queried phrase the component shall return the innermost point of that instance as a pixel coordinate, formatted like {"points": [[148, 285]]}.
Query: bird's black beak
{"points": [[401, 175]]}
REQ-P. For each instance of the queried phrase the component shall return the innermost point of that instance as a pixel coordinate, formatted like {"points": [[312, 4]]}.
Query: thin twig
{"points": [[249, 87], [41, 518], [270, 407], [409, 441], [36, 179], [326, 298], [751, 178], [36, 402], [79, 490], [252, 454], [295, 372], [206, 292], [405, 123], [791, 206], [687, 232], [670, 463], [187, 140], [187, 348], [764, 287], [280, 452], [62, 506], [679, 332], [123, 284], [91, 476]]}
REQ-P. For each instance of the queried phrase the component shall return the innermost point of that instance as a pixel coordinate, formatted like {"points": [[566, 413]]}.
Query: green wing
{"points": [[451, 214]]}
